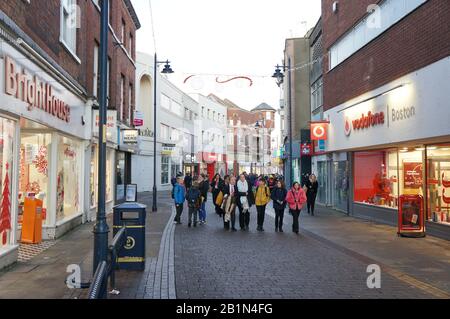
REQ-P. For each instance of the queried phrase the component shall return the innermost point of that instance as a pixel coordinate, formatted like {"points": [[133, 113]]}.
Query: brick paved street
{"points": [[213, 263]]}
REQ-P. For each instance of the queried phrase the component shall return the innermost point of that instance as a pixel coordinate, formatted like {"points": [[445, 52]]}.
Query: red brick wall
{"points": [[120, 63], [40, 20], [421, 38]]}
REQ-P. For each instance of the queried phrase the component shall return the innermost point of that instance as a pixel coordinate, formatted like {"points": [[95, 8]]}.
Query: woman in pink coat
{"points": [[296, 197]]}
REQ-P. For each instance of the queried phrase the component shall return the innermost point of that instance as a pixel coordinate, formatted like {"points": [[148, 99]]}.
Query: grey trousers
{"points": [[193, 211]]}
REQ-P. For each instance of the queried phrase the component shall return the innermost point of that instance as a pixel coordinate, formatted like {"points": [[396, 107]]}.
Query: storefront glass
{"points": [[35, 149], [381, 176], [6, 167], [322, 175], [438, 184], [165, 169], [340, 196], [94, 177], [120, 176], [68, 178]]}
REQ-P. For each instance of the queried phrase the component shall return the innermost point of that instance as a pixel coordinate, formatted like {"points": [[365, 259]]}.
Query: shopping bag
{"points": [[219, 199]]}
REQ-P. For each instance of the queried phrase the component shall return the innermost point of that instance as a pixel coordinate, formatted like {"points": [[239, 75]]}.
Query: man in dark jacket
{"points": [[193, 199], [204, 188]]}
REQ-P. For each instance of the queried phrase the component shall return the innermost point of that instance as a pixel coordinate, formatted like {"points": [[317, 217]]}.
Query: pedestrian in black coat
{"points": [[278, 196], [245, 200], [311, 193], [216, 187]]}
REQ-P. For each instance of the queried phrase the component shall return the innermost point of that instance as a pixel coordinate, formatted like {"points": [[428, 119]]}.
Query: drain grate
{"points": [[28, 251]]}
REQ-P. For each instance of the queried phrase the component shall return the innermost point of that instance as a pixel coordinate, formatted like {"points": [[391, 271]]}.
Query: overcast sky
{"points": [[224, 38]]}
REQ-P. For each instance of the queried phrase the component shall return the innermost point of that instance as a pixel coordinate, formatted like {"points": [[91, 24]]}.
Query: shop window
{"points": [[120, 176], [381, 176], [34, 168], [340, 195], [94, 177], [438, 184], [164, 170], [68, 178], [376, 178], [6, 167]]}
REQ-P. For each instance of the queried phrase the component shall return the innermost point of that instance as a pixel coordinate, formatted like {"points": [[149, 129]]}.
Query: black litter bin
{"points": [[131, 215]]}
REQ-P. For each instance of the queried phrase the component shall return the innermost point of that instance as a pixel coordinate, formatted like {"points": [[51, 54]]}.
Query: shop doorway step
{"points": [[29, 251]]}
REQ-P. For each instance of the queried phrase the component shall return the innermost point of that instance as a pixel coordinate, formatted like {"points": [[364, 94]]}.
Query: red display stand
{"points": [[411, 221]]}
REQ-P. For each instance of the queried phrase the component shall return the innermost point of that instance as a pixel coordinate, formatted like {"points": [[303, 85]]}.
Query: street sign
{"points": [[130, 136], [138, 119], [319, 131]]}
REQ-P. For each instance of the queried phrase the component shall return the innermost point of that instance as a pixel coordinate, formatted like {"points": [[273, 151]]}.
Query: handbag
{"points": [[219, 199]]}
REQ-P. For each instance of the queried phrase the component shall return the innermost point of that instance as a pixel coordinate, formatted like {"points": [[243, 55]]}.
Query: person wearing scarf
{"points": [[245, 201]]}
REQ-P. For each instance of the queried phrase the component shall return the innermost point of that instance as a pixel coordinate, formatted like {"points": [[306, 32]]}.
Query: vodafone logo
{"points": [[347, 127], [319, 131]]}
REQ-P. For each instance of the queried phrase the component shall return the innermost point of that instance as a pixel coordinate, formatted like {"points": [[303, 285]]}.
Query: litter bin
{"points": [[131, 255]]}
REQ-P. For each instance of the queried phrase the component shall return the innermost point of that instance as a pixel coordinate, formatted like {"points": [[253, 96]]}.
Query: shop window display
{"points": [[6, 161], [438, 184], [376, 178], [34, 169], [381, 176], [67, 178]]}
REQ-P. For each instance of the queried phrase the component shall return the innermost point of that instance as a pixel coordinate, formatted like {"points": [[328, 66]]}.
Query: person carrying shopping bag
{"points": [[262, 198], [245, 201], [296, 198], [229, 204]]}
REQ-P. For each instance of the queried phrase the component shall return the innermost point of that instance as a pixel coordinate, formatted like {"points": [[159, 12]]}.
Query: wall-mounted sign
{"points": [[111, 124], [30, 89], [130, 136], [146, 132], [413, 177], [367, 121], [138, 119], [305, 149], [319, 131], [167, 149]]}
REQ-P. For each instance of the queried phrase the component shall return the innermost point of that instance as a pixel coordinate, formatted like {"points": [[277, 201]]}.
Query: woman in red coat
{"points": [[296, 198]]}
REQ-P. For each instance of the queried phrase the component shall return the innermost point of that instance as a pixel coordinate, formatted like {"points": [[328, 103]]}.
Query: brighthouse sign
{"points": [[29, 89]]}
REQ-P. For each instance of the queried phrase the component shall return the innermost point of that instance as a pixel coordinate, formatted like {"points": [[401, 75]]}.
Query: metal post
{"points": [[290, 121], [101, 228], [155, 66]]}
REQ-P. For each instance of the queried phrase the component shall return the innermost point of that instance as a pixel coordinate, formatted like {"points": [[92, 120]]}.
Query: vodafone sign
{"points": [[319, 131], [363, 122]]}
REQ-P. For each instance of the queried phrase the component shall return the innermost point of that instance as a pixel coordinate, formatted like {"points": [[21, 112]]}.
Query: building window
{"points": [[130, 45], [69, 21], [268, 116], [122, 32], [108, 80], [95, 79], [122, 97], [388, 13], [317, 95], [130, 103], [165, 102], [165, 169], [164, 132], [176, 108]]}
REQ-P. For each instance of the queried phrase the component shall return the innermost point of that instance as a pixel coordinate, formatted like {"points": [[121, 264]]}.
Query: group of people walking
{"points": [[230, 193]]}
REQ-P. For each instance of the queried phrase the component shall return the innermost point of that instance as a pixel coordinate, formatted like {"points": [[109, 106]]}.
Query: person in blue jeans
{"points": [[204, 188], [179, 193]]}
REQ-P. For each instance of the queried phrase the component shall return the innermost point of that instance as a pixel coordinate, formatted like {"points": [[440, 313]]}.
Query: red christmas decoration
{"points": [[5, 213], [40, 161]]}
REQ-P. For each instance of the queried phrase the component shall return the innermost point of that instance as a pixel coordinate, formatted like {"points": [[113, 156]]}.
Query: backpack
{"points": [[192, 197]]}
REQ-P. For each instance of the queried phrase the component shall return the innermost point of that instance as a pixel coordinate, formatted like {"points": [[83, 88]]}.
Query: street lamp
{"points": [[167, 70], [258, 126], [101, 228], [279, 77]]}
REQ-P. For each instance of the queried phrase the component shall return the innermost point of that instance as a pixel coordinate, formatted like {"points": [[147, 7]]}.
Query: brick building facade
{"points": [[385, 71]]}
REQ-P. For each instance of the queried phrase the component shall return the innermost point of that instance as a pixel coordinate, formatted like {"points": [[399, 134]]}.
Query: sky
{"points": [[217, 40]]}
